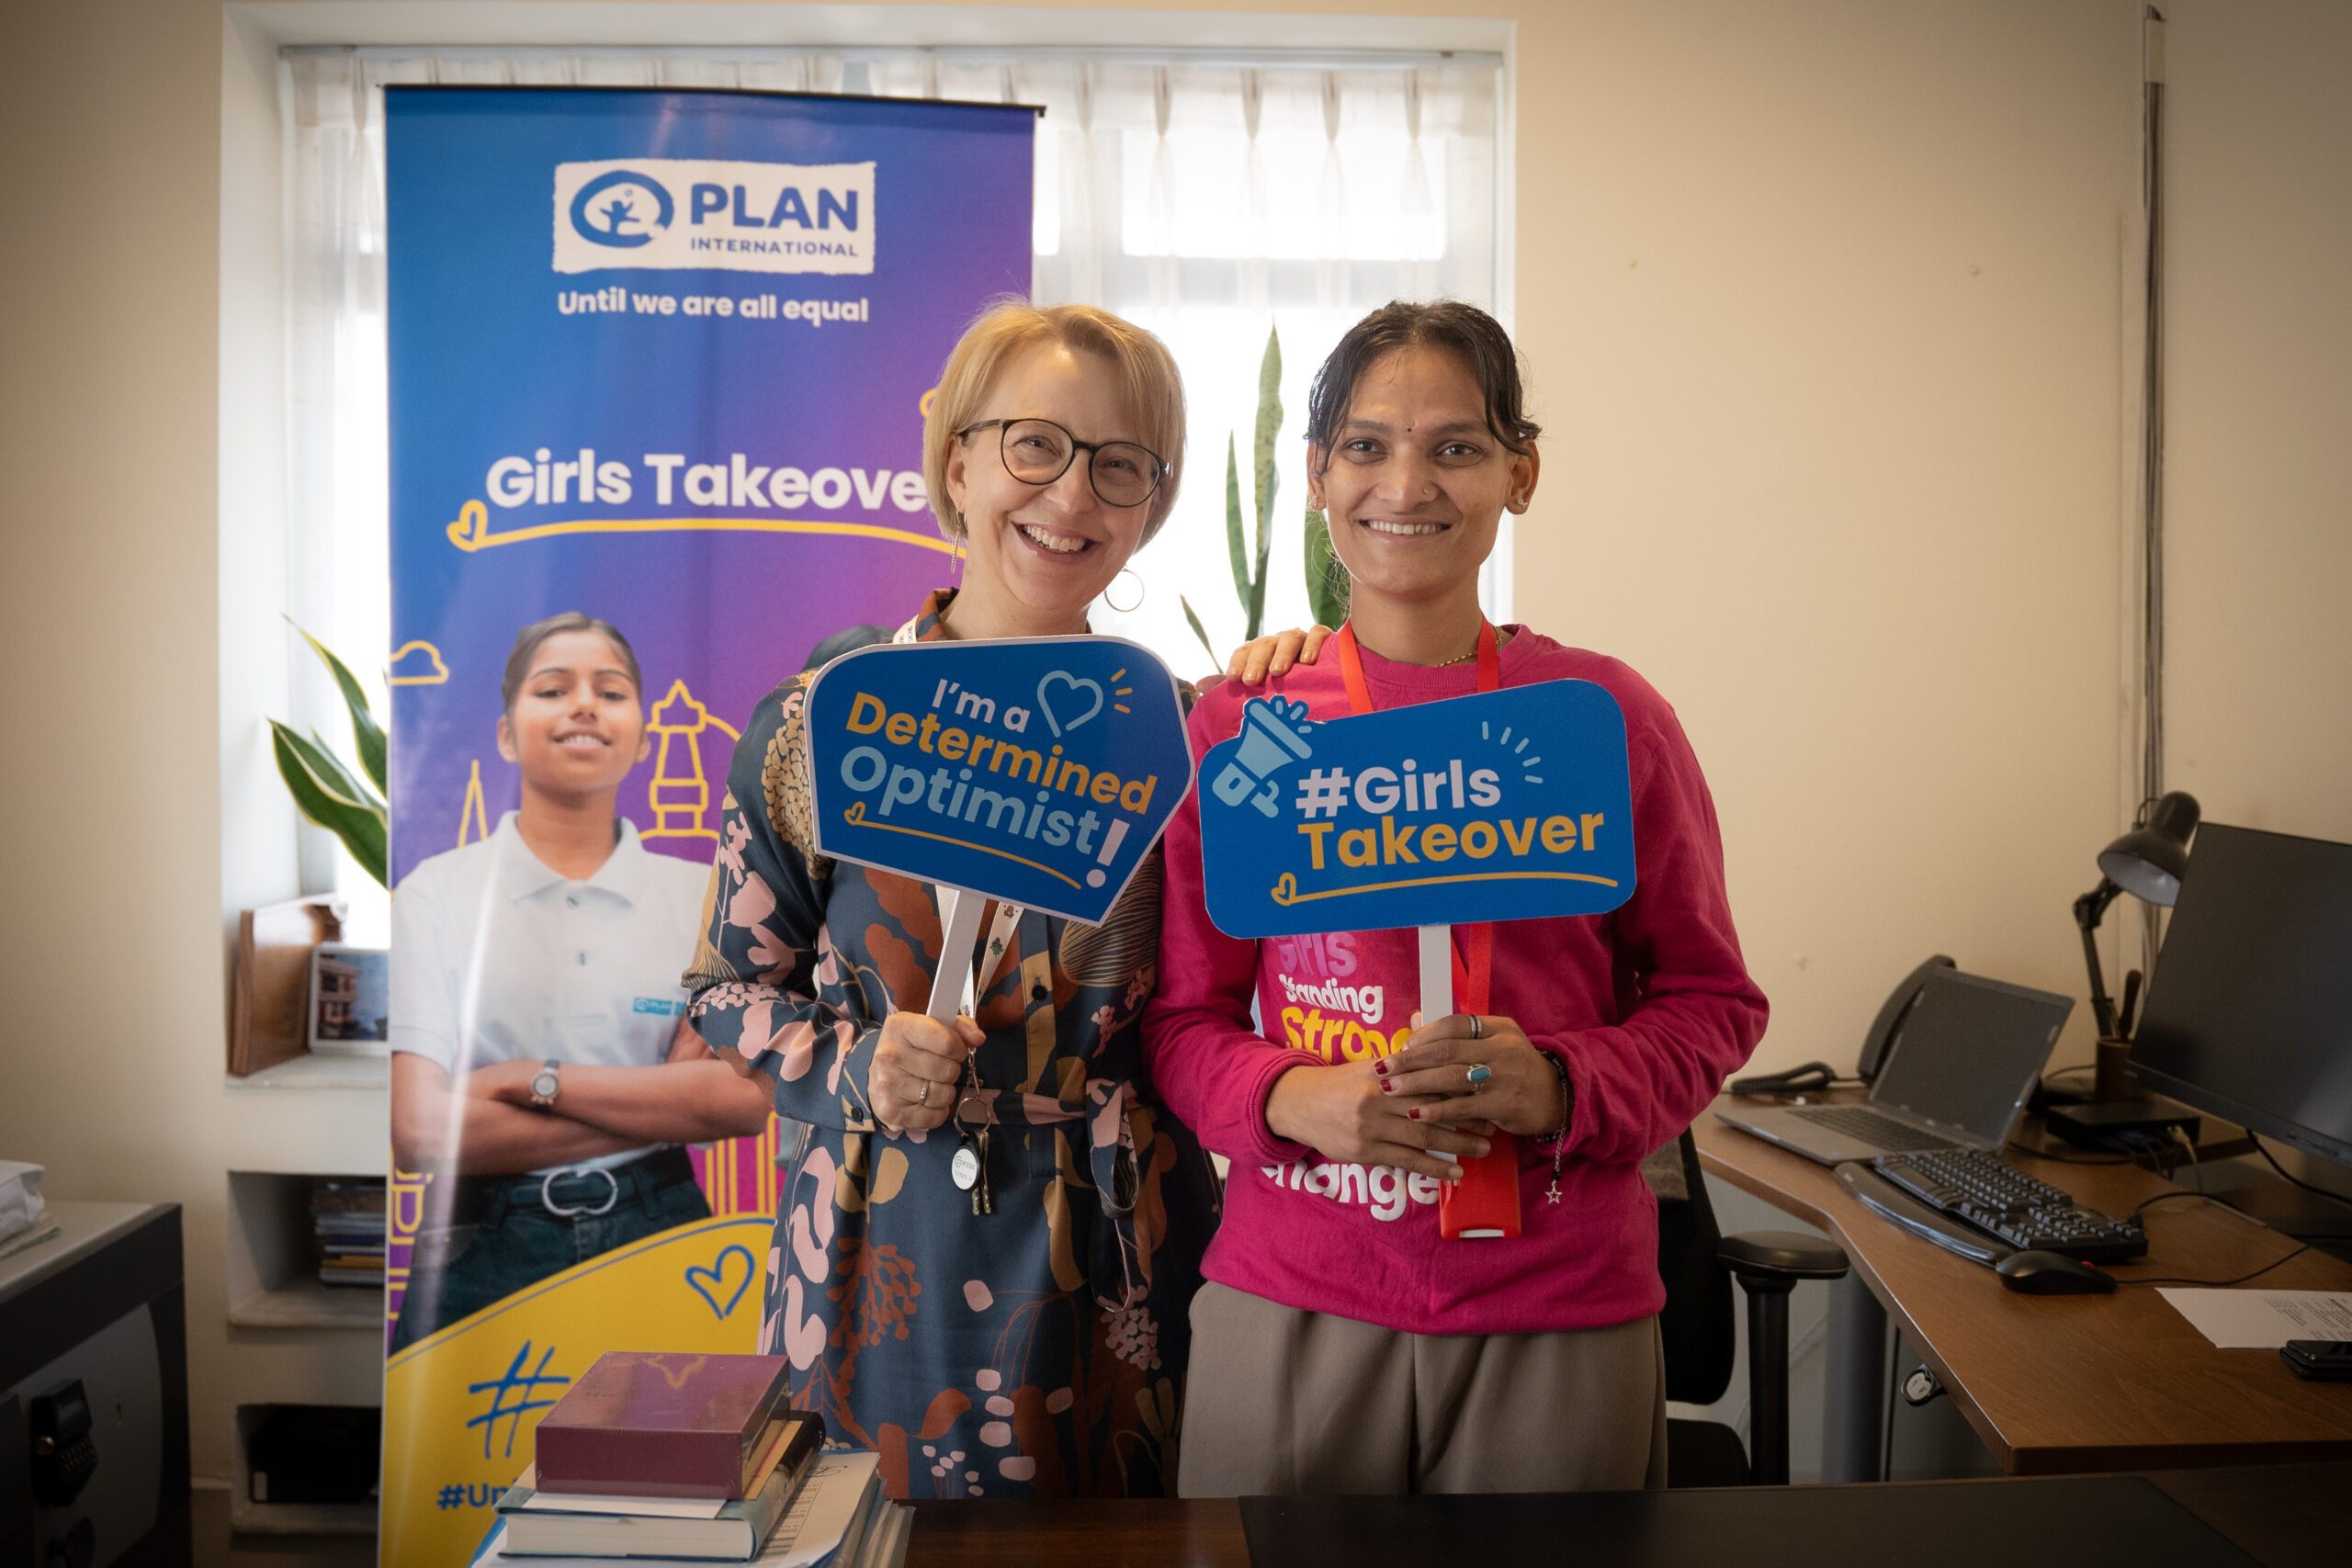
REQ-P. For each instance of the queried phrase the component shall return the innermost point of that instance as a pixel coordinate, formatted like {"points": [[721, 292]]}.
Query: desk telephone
{"points": [[1815, 1077]]}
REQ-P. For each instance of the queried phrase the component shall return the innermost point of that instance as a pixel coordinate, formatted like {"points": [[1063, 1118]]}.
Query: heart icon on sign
{"points": [[711, 1283], [1091, 690], [471, 528]]}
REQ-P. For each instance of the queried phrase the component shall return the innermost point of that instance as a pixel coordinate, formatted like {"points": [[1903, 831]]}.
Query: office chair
{"points": [[1698, 1263]]}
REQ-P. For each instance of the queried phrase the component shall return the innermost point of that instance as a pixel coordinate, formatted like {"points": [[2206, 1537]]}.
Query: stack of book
{"points": [[348, 1216], [692, 1458]]}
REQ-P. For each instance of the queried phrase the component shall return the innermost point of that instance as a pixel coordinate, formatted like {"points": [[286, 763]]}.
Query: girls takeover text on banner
{"points": [[657, 364]]}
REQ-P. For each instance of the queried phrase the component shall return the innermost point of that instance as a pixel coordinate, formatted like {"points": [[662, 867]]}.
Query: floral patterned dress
{"points": [[1038, 1351]]}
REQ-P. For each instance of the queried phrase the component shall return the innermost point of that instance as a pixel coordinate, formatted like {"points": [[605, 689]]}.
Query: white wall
{"points": [[2257, 465], [1826, 306], [113, 961], [1826, 309], [2258, 461]]}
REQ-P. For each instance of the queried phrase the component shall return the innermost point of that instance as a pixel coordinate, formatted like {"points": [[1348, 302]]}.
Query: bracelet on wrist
{"points": [[1558, 1136]]}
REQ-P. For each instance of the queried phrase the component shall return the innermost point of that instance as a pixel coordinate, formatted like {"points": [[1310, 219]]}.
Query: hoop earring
{"points": [[1112, 605]]}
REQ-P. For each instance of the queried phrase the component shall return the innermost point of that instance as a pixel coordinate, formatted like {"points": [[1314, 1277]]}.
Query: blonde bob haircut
{"points": [[1150, 390]]}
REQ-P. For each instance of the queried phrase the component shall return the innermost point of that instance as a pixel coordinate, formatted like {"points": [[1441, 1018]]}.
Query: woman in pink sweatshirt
{"points": [[1342, 1345]]}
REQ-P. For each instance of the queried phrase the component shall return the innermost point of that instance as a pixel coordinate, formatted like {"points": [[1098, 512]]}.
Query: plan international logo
{"points": [[668, 213]]}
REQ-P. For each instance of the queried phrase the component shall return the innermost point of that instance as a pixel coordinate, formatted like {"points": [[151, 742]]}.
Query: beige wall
{"points": [[1828, 313], [2259, 450], [2257, 465]]}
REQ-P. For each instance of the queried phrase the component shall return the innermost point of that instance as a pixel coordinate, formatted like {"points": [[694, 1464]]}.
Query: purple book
{"points": [[649, 1424]]}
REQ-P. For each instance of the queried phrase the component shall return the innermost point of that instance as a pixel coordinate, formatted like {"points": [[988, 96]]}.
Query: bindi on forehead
{"points": [[1412, 427]]}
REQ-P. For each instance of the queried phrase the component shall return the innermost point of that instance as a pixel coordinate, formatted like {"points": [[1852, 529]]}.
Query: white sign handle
{"points": [[1437, 982], [954, 971], [1437, 972]]}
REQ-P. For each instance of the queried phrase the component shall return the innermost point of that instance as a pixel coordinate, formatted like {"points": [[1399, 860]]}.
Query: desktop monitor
{"points": [[2249, 1016]]}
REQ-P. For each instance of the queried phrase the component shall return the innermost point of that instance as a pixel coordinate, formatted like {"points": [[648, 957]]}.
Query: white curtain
{"points": [[1211, 203], [1207, 202]]}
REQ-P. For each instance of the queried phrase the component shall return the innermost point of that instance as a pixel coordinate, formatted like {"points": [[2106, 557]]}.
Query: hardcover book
{"points": [[735, 1534], [655, 1425]]}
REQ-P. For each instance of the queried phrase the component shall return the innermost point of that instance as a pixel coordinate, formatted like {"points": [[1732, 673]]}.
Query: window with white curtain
{"points": [[1209, 200]]}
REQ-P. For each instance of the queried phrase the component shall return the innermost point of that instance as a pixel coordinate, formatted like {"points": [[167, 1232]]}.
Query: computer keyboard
{"points": [[1982, 1190], [1861, 1122]]}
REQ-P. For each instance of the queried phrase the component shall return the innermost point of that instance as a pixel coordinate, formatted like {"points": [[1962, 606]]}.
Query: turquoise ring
{"points": [[1479, 1074]]}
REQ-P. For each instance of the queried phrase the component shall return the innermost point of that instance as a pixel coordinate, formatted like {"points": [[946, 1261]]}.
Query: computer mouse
{"points": [[2039, 1273]]}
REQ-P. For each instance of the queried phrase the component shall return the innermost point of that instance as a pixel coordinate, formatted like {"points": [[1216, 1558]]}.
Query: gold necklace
{"points": [[1467, 658]]}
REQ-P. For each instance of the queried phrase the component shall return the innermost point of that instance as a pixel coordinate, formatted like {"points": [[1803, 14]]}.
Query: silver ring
{"points": [[1479, 1073], [924, 1098], [1477, 1028]]}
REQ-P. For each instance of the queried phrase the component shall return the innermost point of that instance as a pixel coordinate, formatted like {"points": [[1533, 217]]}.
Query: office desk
{"points": [[2056, 1383], [2280, 1517]]}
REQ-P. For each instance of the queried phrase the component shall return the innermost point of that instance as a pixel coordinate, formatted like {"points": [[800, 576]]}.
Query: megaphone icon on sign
{"points": [[1273, 738]]}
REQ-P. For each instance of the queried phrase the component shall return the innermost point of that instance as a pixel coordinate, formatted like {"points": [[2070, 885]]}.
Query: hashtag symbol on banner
{"points": [[522, 1385], [1323, 792], [452, 1497]]}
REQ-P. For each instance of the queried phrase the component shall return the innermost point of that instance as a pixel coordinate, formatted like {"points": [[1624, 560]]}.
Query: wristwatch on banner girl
{"points": [[545, 1085]]}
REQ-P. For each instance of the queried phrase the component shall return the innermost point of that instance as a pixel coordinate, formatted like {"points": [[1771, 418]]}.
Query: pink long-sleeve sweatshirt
{"points": [[1650, 1007]]}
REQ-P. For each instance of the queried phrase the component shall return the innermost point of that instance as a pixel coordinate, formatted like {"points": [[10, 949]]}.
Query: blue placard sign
{"points": [[1036, 769], [1505, 806]]}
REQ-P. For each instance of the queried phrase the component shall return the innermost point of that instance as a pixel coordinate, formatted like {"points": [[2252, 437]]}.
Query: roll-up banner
{"points": [[657, 367]]}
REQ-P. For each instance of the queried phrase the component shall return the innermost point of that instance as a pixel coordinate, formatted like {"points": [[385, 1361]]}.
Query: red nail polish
{"points": [[1388, 1088], [1380, 1068], [1414, 1113]]}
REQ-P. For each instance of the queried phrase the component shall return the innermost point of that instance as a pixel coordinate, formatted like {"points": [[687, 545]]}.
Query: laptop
{"points": [[1957, 1075]]}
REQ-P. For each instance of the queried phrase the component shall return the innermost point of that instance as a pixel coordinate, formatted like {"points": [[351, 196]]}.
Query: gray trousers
{"points": [[1283, 1401]]}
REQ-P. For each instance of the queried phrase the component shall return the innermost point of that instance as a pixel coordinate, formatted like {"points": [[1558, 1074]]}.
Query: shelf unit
{"points": [[273, 1262], [288, 1518], [294, 1340], [308, 1071]]}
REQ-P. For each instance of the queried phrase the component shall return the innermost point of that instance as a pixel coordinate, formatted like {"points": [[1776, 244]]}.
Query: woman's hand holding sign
{"points": [[917, 1063], [1437, 1074], [1345, 1113]]}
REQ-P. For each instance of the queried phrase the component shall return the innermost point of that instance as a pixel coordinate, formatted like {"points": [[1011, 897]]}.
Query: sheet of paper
{"points": [[590, 1503], [2263, 1320], [831, 1501]]}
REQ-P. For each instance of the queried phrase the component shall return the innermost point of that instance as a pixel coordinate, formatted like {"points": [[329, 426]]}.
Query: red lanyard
{"points": [[1474, 945]]}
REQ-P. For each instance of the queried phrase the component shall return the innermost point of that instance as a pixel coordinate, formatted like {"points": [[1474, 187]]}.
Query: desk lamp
{"points": [[2148, 861]]}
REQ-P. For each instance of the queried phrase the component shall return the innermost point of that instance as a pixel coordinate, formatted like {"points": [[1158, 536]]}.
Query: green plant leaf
{"points": [[1233, 544], [365, 733], [364, 829], [1268, 473], [1195, 622], [334, 776], [330, 775], [1327, 579]]}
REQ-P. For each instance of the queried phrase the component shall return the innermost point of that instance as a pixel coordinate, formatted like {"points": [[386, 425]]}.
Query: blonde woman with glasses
{"points": [[1040, 1349]]}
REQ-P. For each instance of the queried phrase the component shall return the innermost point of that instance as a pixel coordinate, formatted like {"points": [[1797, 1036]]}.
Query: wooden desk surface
{"points": [[1138, 1533], [2283, 1514], [2073, 1384]]}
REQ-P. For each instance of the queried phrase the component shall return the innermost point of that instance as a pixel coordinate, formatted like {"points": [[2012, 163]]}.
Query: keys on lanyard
{"points": [[970, 1168]]}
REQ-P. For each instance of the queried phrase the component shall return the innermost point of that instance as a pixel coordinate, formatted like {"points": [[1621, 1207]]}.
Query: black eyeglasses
{"points": [[1039, 452]]}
